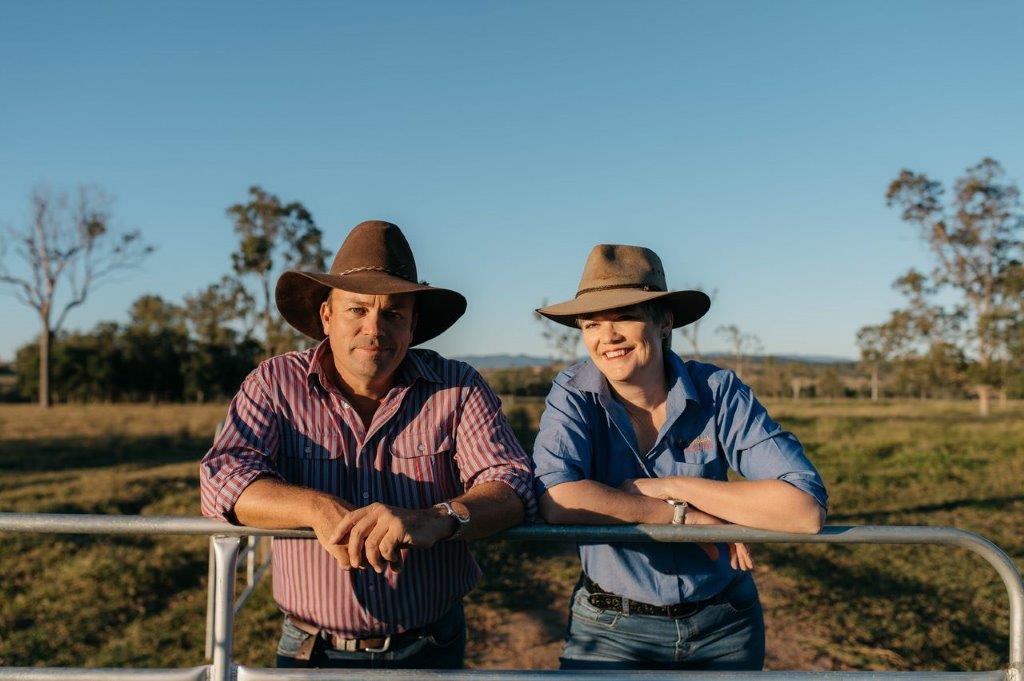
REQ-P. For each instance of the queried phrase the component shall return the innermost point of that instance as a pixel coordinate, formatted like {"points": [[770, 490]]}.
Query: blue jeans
{"points": [[728, 635], [443, 647]]}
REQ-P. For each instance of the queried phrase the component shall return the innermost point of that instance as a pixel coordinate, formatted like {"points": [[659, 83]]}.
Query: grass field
{"points": [[94, 601]]}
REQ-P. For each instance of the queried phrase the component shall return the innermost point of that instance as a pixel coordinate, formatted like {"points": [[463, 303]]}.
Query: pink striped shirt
{"points": [[439, 431]]}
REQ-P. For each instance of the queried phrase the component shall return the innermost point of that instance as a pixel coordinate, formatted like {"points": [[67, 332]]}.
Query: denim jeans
{"points": [[444, 647], [728, 635]]}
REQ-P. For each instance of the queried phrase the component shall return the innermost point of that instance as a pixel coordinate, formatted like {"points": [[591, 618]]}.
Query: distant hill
{"points": [[504, 361]]}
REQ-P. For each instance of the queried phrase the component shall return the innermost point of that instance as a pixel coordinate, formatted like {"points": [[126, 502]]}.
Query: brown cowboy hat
{"points": [[375, 259], [619, 276]]}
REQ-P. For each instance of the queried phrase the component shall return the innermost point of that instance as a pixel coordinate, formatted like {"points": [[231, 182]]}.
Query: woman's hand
{"points": [[648, 487], [739, 554]]}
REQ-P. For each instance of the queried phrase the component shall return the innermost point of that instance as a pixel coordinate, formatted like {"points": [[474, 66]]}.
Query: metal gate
{"points": [[226, 541]]}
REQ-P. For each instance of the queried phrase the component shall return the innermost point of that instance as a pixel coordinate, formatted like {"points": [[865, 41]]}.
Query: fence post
{"points": [[211, 600], [226, 555]]}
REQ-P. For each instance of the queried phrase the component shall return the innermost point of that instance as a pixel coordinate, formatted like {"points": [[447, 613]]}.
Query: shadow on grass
{"points": [[904, 611], [56, 454], [993, 503]]}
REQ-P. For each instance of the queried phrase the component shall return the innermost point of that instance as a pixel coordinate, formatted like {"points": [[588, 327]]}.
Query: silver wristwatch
{"points": [[678, 511], [462, 520]]}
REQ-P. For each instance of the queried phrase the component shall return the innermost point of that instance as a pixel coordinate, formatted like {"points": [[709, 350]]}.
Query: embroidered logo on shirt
{"points": [[699, 443]]}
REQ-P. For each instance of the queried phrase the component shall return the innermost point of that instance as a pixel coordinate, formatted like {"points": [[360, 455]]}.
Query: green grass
{"points": [[98, 601]]}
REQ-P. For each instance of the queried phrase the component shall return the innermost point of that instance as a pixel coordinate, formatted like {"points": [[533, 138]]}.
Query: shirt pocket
{"points": [[312, 444], [412, 443], [423, 471], [696, 457]]}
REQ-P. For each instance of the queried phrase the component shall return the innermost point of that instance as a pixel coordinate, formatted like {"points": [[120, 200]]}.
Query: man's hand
{"points": [[326, 522], [739, 554], [379, 532]]}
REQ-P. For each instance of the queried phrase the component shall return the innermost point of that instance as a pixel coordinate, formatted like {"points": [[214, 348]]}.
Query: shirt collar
{"points": [[409, 371], [315, 371], [589, 378]]}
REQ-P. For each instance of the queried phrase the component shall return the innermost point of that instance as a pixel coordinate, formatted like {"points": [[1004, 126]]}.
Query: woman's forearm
{"points": [[587, 502], [764, 504]]}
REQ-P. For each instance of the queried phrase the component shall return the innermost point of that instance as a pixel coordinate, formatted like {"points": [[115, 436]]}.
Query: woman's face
{"points": [[625, 344]]}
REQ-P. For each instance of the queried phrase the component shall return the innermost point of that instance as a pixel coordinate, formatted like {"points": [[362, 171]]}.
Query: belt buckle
{"points": [[383, 648]]}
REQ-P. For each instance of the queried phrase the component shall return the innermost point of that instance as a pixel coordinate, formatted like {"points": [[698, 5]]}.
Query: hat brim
{"points": [[299, 295], [686, 306]]}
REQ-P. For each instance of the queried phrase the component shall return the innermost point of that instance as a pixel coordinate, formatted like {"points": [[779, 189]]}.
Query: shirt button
{"points": [[308, 449], [420, 447], [366, 495], [373, 587]]}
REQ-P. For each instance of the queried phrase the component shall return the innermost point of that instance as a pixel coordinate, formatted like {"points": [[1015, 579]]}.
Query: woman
{"points": [[636, 435]]}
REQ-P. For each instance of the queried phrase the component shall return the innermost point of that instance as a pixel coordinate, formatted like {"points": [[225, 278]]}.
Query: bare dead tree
{"points": [[741, 344], [691, 332], [562, 340], [68, 242]]}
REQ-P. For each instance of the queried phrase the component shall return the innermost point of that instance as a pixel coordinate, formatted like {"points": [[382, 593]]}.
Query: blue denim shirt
{"points": [[713, 422]]}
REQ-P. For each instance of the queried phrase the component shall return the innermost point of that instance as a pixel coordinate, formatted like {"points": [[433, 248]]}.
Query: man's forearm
{"points": [[275, 505], [587, 502], [764, 504], [493, 506]]}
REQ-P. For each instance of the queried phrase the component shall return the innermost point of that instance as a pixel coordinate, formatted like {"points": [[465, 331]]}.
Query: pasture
{"points": [[94, 601]]}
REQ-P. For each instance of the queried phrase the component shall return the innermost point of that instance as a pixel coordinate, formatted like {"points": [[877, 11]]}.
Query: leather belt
{"points": [[599, 598], [371, 644]]}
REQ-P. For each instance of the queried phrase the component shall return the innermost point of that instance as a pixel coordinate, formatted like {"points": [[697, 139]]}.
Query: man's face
{"points": [[369, 334], [624, 344]]}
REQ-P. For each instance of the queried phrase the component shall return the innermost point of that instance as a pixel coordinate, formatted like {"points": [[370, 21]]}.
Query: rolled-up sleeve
{"points": [[562, 450], [244, 450], [486, 448], [756, 446]]}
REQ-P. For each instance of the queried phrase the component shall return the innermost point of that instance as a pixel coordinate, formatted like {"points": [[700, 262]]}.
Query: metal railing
{"points": [[227, 540]]}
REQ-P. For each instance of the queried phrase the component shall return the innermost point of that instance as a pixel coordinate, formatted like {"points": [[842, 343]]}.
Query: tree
{"points": [[691, 331], [829, 384], [156, 348], [66, 241], [873, 353], [222, 349], [269, 233], [562, 340], [741, 344], [220, 313], [975, 241]]}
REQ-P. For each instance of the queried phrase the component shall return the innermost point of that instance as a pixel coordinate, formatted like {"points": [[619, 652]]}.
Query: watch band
{"points": [[461, 520], [678, 511]]}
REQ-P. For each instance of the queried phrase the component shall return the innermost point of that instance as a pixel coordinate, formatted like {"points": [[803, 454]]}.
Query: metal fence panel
{"points": [[225, 554]]}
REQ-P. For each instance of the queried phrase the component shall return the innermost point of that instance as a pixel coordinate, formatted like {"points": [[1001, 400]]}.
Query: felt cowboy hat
{"points": [[375, 259], [619, 276]]}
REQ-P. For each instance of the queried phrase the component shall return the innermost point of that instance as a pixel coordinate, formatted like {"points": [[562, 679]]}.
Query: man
{"points": [[634, 427], [394, 457]]}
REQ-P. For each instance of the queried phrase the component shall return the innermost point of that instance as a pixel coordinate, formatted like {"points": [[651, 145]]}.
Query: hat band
{"points": [[371, 268], [640, 287]]}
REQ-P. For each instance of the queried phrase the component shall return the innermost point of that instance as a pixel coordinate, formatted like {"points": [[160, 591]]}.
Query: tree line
{"points": [[959, 334]]}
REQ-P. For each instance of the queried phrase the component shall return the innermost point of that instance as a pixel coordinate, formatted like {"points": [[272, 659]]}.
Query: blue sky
{"points": [[749, 144]]}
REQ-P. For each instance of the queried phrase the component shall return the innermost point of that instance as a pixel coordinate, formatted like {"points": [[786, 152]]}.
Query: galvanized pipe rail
{"points": [[226, 540]]}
